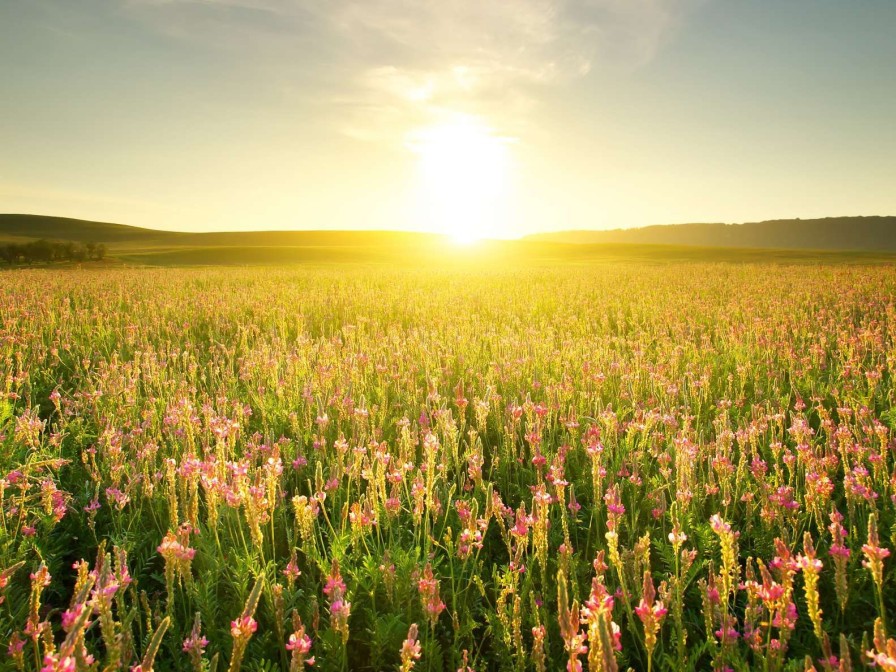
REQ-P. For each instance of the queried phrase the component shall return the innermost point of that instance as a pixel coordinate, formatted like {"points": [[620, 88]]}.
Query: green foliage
{"points": [[343, 453]]}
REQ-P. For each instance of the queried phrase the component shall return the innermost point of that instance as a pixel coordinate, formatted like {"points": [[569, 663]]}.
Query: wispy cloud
{"points": [[385, 64]]}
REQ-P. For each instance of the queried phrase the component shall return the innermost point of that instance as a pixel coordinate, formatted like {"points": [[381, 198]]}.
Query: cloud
{"points": [[381, 65], [499, 60]]}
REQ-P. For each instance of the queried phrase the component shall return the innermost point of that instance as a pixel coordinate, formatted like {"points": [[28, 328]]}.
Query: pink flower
{"points": [[874, 553], [71, 615], [292, 571], [410, 649], [428, 586], [195, 643], [243, 627], [651, 612], [334, 585], [301, 644], [839, 550], [16, 646], [809, 563], [718, 525], [55, 663]]}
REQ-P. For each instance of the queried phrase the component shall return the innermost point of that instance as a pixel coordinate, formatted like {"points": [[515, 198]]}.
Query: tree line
{"points": [[49, 251]]}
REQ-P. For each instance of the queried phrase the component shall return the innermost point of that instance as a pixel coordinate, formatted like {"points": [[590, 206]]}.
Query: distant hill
{"points": [[843, 239], [18, 228], [832, 233], [76, 230]]}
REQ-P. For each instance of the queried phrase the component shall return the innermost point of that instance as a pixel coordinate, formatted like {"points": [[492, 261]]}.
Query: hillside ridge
{"points": [[23, 227], [830, 233], [870, 233]]}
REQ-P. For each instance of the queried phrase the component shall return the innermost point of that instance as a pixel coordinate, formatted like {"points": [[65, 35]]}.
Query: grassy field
{"points": [[646, 460], [445, 253]]}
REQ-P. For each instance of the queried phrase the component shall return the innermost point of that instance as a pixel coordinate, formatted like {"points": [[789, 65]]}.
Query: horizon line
{"points": [[442, 233]]}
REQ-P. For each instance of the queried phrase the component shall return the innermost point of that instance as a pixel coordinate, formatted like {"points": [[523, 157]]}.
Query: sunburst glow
{"points": [[464, 179]]}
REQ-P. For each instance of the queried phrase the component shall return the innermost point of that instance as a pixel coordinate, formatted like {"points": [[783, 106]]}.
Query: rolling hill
{"points": [[24, 227], [840, 240], [832, 233], [141, 246]]}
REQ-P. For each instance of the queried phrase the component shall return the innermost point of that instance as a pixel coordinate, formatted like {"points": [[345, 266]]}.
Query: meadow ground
{"points": [[644, 463]]}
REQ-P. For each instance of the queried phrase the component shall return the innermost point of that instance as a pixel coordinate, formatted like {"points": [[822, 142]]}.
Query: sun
{"points": [[464, 178]]}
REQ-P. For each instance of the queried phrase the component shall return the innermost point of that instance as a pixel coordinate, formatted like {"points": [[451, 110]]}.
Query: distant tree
{"points": [[72, 251], [10, 253], [39, 250], [78, 252], [48, 251]]}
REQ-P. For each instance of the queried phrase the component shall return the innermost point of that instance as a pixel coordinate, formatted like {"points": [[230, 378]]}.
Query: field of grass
{"points": [[680, 465], [442, 253]]}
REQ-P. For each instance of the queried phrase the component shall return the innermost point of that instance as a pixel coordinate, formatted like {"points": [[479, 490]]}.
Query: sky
{"points": [[469, 117]]}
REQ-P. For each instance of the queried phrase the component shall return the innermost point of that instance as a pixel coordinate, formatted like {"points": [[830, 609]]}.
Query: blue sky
{"points": [[502, 118]]}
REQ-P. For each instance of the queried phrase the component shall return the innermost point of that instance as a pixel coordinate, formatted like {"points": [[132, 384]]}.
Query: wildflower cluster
{"points": [[676, 466]]}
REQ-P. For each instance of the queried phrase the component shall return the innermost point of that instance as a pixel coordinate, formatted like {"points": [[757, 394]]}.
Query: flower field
{"points": [[631, 465]]}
